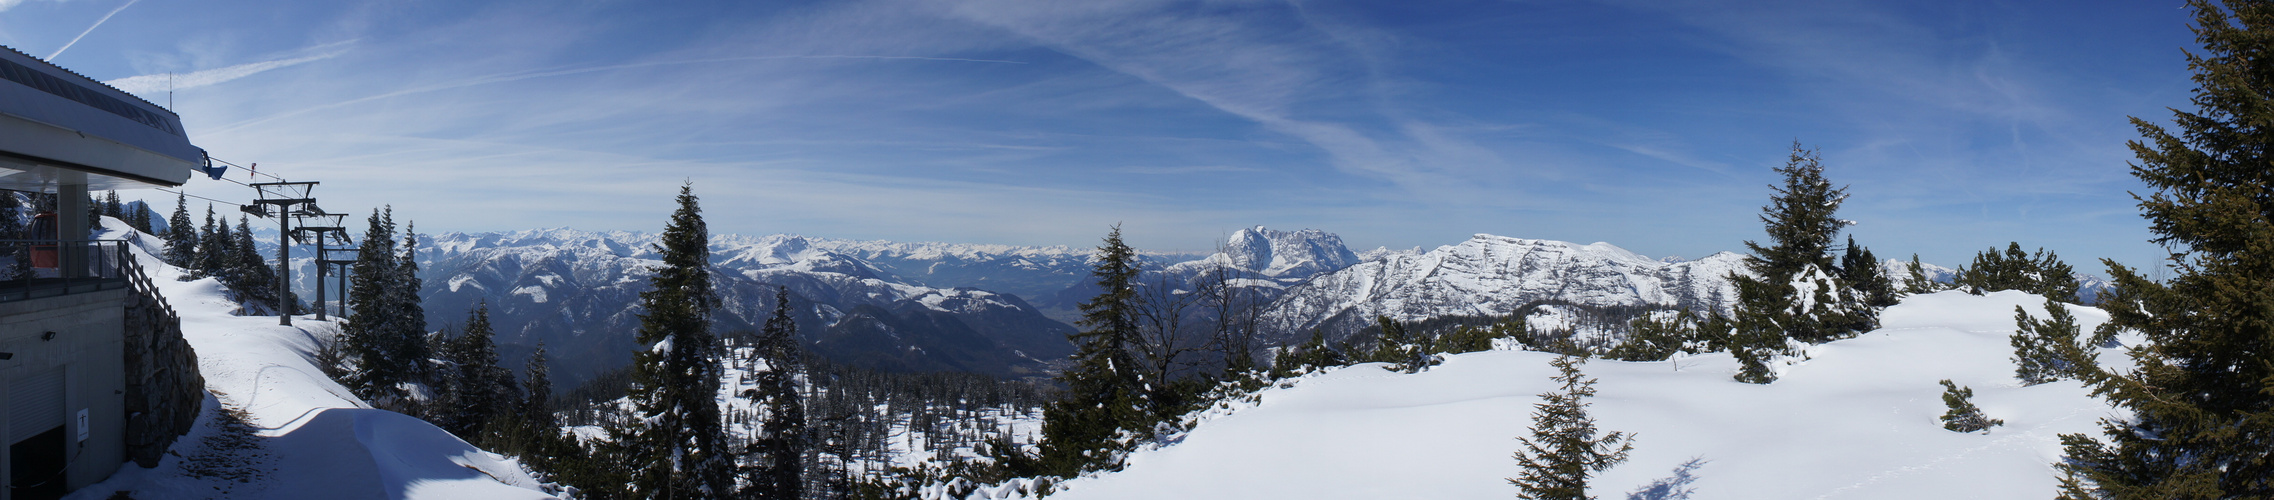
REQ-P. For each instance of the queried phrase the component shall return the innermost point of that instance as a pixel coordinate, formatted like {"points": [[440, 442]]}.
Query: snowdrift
{"points": [[1857, 419], [296, 433]]}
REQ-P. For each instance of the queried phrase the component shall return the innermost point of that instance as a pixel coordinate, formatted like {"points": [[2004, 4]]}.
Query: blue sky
{"points": [[1648, 124]]}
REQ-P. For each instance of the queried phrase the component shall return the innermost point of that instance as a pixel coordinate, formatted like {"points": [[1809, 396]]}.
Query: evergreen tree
{"points": [[1919, 282], [373, 337], [2043, 274], [2041, 347], [782, 445], [250, 275], [1311, 354], [537, 393], [1794, 291], [1104, 390], [140, 218], [484, 390], [1466, 338], [1963, 415], [218, 251], [529, 430], [1860, 269], [181, 237], [2201, 399], [1756, 334], [1656, 337], [1799, 220], [1404, 351], [403, 301], [111, 206], [1563, 450], [675, 442]]}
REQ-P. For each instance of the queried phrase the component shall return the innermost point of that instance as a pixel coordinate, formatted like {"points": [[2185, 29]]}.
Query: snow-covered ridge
{"points": [[1495, 275]]}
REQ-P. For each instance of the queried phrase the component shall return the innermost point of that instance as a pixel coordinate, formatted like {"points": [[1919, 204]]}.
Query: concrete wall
{"points": [[89, 345]]}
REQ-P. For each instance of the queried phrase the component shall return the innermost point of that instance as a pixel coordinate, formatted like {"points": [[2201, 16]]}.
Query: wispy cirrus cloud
{"points": [[1266, 62], [153, 84]]}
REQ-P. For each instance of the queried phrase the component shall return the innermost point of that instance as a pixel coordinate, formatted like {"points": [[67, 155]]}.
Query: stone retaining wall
{"points": [[164, 390]]}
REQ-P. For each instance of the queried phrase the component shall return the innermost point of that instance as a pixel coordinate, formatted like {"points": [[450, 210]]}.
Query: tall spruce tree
{"points": [[676, 440], [1104, 391], [1563, 450], [252, 277], [2201, 399], [403, 288], [537, 393], [1795, 292], [139, 218], [217, 252], [385, 351], [484, 389], [181, 236], [782, 444], [111, 206]]}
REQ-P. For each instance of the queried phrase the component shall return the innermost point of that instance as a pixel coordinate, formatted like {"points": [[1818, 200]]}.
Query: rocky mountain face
{"points": [[1496, 276]]}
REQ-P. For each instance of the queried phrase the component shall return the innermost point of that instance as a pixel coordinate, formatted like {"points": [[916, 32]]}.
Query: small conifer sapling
{"points": [[1563, 450], [1963, 415]]}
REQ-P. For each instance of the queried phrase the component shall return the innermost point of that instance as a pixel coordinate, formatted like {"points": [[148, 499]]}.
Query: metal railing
{"points": [[31, 269]]}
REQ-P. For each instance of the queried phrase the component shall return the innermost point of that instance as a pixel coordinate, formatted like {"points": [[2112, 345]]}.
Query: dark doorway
{"points": [[35, 466]]}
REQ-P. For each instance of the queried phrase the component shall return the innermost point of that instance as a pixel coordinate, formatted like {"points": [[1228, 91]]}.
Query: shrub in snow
{"points": [[1563, 450], [1657, 336], [1404, 351], [2041, 347], [1963, 415], [2043, 274]]}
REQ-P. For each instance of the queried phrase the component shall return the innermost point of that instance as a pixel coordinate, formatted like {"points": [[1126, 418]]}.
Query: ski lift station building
{"points": [[93, 370]]}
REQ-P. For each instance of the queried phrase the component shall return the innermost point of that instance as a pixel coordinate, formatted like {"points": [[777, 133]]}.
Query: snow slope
{"points": [[1858, 419], [302, 435]]}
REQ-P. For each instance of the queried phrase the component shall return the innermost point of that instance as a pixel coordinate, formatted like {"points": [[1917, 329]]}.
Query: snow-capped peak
{"points": [[1277, 253]]}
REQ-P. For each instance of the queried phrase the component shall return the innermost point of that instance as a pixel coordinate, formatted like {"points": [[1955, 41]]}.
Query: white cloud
{"points": [[153, 84]]}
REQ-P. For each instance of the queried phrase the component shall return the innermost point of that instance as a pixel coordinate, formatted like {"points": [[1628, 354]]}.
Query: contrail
{"points": [[90, 29], [152, 84], [545, 73]]}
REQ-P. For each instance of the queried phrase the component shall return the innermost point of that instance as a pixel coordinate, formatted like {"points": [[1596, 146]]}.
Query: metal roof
{"points": [[60, 127]]}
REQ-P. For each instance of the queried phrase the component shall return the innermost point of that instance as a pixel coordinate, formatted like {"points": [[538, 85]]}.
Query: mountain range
{"points": [[1005, 310]]}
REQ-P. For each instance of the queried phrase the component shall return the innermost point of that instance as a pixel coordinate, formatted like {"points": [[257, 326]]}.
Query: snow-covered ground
{"points": [[296, 433], [1857, 419]]}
